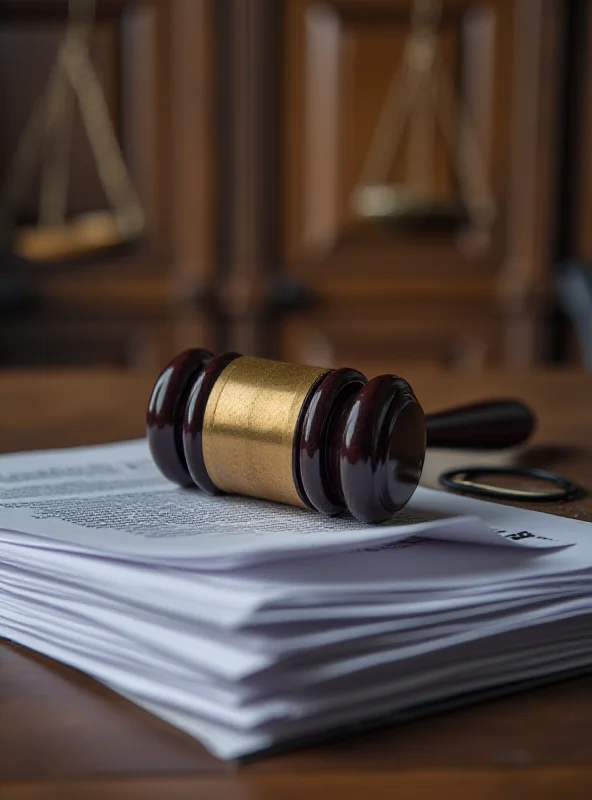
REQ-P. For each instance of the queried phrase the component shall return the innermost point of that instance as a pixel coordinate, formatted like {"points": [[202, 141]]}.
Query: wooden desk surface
{"points": [[64, 736]]}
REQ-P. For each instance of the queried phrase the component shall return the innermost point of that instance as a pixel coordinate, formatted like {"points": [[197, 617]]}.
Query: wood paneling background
{"points": [[245, 124]]}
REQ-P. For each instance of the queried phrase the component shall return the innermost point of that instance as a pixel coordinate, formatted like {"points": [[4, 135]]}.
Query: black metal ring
{"points": [[459, 481]]}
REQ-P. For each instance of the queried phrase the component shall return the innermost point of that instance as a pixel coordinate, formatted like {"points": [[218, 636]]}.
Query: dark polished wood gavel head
{"points": [[325, 439]]}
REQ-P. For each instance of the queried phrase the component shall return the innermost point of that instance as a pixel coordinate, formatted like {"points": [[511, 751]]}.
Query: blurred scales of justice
{"points": [[421, 99], [45, 143]]}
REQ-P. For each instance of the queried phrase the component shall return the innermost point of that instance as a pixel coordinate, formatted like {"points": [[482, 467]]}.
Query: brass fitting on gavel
{"points": [[325, 439]]}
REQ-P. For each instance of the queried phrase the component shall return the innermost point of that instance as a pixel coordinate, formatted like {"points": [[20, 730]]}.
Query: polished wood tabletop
{"points": [[62, 735]]}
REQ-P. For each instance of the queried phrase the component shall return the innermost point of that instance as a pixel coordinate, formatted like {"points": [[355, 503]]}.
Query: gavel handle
{"points": [[481, 426]]}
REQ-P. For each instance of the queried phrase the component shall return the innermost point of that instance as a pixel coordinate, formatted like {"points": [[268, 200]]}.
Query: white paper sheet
{"points": [[111, 499]]}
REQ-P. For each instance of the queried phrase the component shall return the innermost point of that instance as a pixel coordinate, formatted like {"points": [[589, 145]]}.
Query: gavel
{"points": [[324, 439]]}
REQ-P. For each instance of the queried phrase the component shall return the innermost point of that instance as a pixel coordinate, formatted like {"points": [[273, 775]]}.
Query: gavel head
{"points": [[323, 439]]}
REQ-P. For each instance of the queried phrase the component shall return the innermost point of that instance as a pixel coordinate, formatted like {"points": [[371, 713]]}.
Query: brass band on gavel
{"points": [[325, 439], [250, 424]]}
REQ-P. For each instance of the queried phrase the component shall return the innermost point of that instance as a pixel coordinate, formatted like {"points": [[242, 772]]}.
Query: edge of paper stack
{"points": [[255, 627]]}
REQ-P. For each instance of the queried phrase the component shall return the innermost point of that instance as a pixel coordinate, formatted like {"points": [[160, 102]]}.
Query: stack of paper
{"points": [[252, 625]]}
